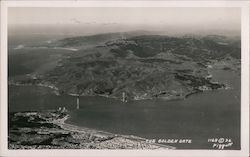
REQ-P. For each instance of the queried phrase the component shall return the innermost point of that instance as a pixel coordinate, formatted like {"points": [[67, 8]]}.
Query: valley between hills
{"points": [[126, 66], [134, 65]]}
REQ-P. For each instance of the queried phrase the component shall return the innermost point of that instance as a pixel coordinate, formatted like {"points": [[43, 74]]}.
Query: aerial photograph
{"points": [[124, 78]]}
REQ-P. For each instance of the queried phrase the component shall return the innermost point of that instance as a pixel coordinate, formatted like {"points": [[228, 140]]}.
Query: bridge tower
{"points": [[77, 102]]}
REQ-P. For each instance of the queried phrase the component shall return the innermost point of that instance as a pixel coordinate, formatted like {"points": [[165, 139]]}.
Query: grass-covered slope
{"points": [[145, 66]]}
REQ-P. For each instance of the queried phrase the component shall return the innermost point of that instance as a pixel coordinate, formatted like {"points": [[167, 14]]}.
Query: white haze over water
{"points": [[87, 21]]}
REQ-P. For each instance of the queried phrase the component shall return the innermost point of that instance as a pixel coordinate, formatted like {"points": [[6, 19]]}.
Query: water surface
{"points": [[201, 116]]}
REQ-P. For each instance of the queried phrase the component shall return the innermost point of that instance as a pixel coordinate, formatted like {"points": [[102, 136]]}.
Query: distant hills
{"points": [[211, 46], [139, 64]]}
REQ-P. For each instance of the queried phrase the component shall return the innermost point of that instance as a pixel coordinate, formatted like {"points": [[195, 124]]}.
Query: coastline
{"points": [[167, 98], [74, 128], [112, 141], [52, 132]]}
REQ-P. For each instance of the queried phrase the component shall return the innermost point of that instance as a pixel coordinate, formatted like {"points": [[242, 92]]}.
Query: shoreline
{"points": [[74, 128], [167, 98], [61, 134]]}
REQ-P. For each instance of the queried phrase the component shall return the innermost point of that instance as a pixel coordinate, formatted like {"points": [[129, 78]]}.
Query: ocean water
{"points": [[202, 116]]}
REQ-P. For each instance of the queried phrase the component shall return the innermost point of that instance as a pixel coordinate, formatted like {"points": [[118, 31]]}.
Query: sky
{"points": [[143, 18]]}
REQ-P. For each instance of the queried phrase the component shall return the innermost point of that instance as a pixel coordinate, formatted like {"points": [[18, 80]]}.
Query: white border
{"points": [[244, 5]]}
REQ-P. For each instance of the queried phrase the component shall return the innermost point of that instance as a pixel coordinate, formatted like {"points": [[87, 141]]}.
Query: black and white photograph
{"points": [[132, 78]]}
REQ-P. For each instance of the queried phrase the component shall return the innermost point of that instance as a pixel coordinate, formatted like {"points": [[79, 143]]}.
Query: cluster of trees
{"points": [[107, 69]]}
